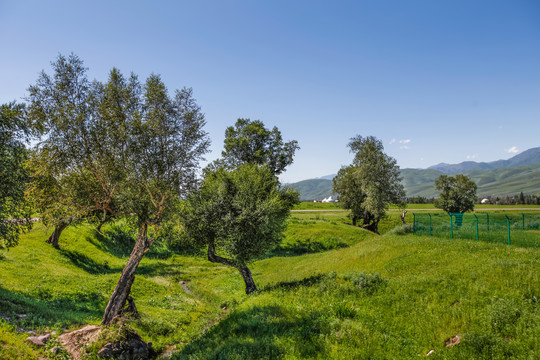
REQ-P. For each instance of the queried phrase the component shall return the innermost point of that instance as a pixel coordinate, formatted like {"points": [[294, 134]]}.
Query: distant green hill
{"points": [[527, 157], [313, 189], [421, 182]]}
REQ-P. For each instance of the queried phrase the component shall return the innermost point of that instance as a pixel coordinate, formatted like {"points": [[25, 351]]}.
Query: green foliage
{"points": [[402, 229], [457, 194], [241, 212], [249, 142], [14, 175], [370, 184]]}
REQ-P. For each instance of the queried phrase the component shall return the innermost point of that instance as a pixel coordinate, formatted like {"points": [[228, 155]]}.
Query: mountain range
{"points": [[520, 173]]}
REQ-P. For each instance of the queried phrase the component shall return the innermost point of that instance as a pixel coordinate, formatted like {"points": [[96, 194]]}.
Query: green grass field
{"points": [[330, 290]]}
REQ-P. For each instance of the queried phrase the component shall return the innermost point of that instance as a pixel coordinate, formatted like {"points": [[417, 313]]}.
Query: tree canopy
{"points": [[250, 142], [128, 149], [239, 215], [457, 193], [370, 183], [14, 175]]}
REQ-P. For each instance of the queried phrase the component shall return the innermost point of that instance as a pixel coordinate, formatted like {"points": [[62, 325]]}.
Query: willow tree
{"points": [[239, 215], [131, 150], [14, 175], [370, 184], [250, 142], [165, 145]]}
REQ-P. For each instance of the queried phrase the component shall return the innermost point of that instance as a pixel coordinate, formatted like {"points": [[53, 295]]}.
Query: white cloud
{"points": [[472, 157], [393, 141], [404, 147], [512, 150], [405, 141]]}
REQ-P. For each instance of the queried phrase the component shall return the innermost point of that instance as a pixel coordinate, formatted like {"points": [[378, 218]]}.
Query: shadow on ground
{"points": [[262, 332]]}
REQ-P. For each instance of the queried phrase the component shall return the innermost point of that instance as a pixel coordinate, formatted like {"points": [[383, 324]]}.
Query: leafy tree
{"points": [[14, 176], [239, 215], [351, 196], [457, 194], [249, 142], [370, 184], [123, 149]]}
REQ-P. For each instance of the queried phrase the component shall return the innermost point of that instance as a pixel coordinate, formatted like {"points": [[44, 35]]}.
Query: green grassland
{"points": [[330, 290]]}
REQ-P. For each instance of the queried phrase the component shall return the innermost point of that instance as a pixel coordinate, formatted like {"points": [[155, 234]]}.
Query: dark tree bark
{"points": [[244, 270], [122, 290], [103, 221], [372, 226], [55, 236]]}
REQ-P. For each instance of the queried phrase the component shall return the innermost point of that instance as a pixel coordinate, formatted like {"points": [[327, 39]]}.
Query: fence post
{"points": [[508, 227], [429, 224], [414, 223], [451, 227], [487, 218], [476, 217], [522, 221]]}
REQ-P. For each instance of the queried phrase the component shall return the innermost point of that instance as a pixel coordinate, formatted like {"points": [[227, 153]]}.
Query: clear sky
{"points": [[436, 81]]}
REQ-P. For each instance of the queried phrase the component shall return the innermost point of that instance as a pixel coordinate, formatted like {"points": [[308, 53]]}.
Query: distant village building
{"points": [[329, 199], [485, 201]]}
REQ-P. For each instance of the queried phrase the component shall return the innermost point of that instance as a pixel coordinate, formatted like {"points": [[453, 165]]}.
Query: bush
{"points": [[403, 229], [174, 239], [368, 283]]}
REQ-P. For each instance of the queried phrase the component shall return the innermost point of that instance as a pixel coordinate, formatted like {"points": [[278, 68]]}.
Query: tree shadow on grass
{"points": [[120, 243], [303, 247], [309, 281], [44, 309], [261, 333], [87, 264]]}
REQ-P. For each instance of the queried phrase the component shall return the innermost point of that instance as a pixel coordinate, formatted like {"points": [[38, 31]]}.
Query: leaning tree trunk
{"points": [[248, 279], [103, 222], [55, 236], [122, 290], [244, 270]]}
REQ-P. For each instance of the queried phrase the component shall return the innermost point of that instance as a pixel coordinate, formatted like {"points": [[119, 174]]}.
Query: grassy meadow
{"points": [[329, 290]]}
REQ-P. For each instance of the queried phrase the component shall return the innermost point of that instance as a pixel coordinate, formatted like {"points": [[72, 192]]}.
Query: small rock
{"points": [[452, 341], [430, 352], [55, 350], [21, 316], [38, 340]]}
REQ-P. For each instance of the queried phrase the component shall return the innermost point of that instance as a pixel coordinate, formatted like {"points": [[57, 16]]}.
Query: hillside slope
{"points": [[527, 157], [378, 297], [421, 182]]}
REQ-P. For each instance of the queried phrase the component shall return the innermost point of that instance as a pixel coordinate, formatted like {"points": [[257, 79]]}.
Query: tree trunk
{"points": [[55, 236], [354, 220], [373, 227], [402, 216], [244, 270], [102, 222], [248, 279], [122, 290]]}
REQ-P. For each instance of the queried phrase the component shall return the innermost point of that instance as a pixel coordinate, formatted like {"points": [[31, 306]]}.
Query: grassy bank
{"points": [[329, 291]]}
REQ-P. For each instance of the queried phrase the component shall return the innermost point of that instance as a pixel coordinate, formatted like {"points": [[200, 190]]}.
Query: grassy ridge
{"points": [[334, 305], [329, 291]]}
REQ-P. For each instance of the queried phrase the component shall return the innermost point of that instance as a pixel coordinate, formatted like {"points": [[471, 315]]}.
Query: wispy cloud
{"points": [[512, 150], [393, 141], [472, 157], [404, 143]]}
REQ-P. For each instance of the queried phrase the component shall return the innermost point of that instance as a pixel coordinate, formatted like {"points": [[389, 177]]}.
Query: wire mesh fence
{"points": [[521, 229]]}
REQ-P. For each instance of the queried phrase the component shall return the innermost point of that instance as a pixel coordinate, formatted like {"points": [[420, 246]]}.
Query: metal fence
{"points": [[513, 229]]}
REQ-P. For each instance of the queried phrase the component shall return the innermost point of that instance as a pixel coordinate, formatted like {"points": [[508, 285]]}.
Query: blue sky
{"points": [[436, 81]]}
